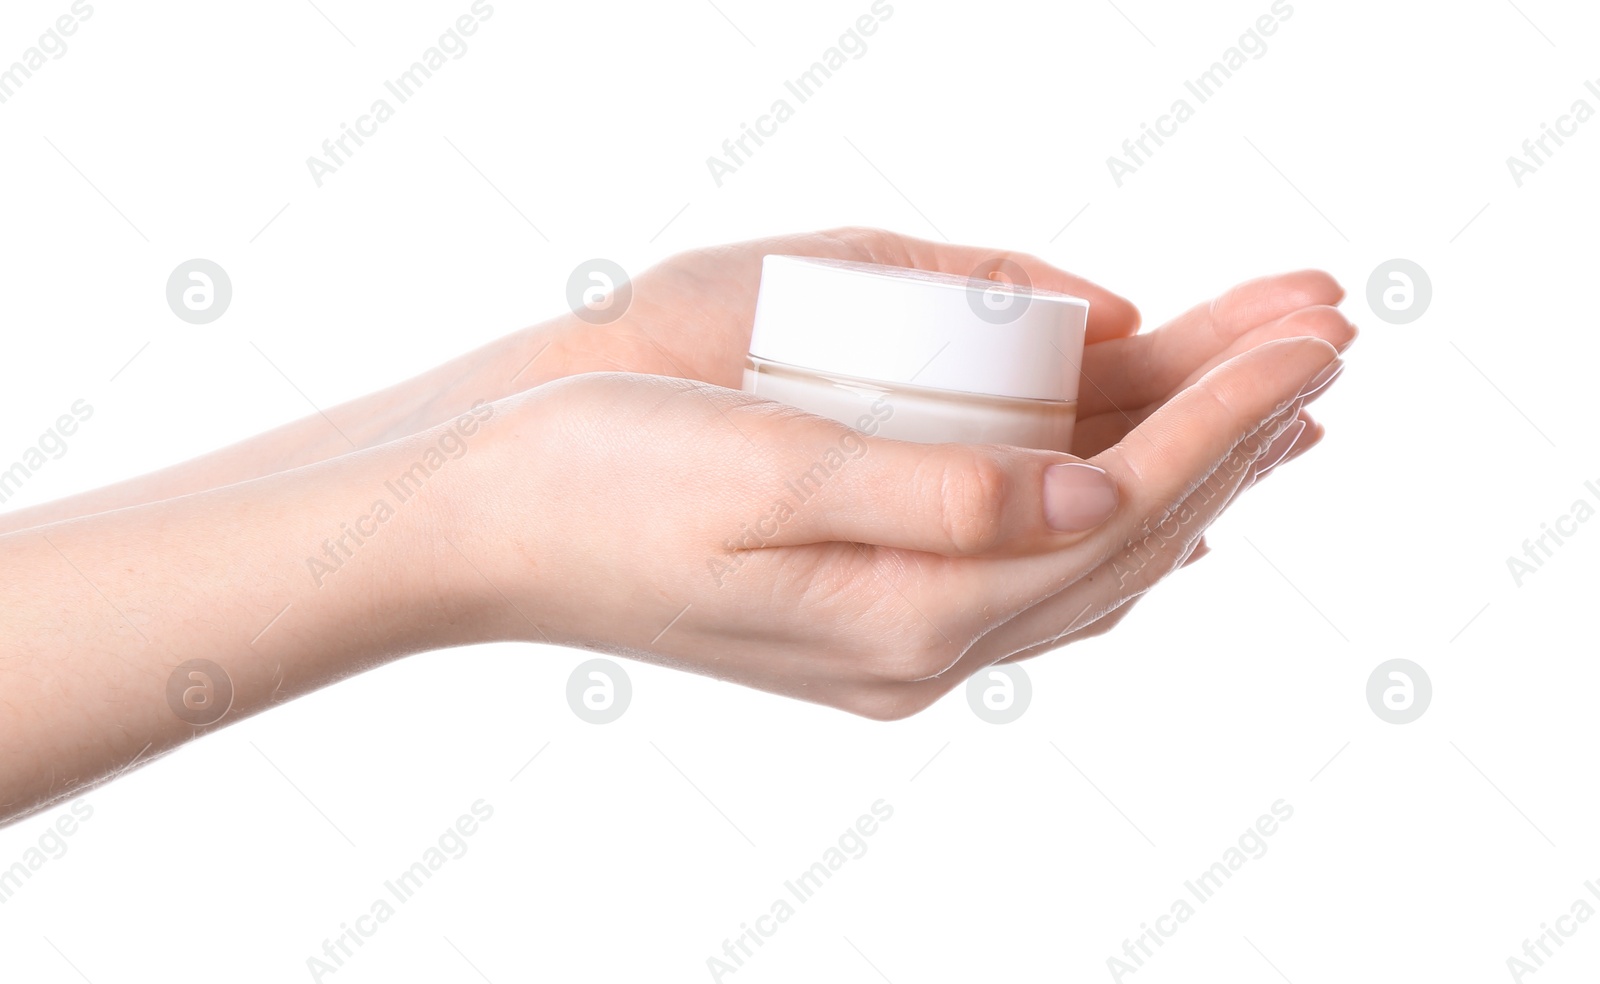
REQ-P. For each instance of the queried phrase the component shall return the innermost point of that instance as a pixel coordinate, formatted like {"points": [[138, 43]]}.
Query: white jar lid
{"points": [[913, 327]]}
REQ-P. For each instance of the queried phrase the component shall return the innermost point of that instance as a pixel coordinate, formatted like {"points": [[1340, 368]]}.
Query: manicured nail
{"points": [[1078, 497], [1320, 381], [1280, 447]]}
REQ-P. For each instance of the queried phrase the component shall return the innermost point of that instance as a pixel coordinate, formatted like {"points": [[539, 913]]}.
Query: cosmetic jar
{"points": [[918, 356]]}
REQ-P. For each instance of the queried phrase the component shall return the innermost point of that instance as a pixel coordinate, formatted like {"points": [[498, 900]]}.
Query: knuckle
{"points": [[969, 493], [1227, 396]]}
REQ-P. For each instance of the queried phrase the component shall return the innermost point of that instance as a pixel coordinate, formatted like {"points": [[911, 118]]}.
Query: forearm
{"points": [[270, 580], [518, 361]]}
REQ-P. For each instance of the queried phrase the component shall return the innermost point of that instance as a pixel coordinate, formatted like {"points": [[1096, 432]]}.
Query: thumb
{"points": [[950, 499]]}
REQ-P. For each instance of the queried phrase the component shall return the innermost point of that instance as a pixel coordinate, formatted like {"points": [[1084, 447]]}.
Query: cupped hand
{"points": [[690, 318], [703, 528]]}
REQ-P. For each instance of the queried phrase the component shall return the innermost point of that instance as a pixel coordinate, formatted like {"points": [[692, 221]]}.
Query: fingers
{"points": [[1326, 323], [1082, 628], [1101, 431], [1263, 299], [1279, 447], [1105, 623], [1183, 442], [1163, 545], [1095, 603], [833, 484], [1180, 450], [1309, 438], [1079, 612], [1098, 627], [1133, 372], [1306, 437], [1094, 606], [956, 500], [1250, 408]]}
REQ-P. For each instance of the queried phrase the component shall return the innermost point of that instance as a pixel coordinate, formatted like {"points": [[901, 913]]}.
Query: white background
{"points": [[1368, 130]]}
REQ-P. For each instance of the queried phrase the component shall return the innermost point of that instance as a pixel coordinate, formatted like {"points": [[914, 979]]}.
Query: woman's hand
{"points": [[670, 519], [709, 530], [691, 315], [691, 318]]}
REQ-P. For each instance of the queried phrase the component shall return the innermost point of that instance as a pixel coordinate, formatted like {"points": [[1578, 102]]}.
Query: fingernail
{"points": [[1201, 549], [1320, 381], [1078, 497], [1280, 447]]}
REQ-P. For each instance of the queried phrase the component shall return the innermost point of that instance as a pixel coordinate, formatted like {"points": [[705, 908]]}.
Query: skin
{"points": [[690, 318], [592, 489]]}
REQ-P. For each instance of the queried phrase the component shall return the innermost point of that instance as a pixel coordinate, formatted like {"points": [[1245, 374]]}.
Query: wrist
{"points": [[538, 354], [515, 362], [480, 512]]}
